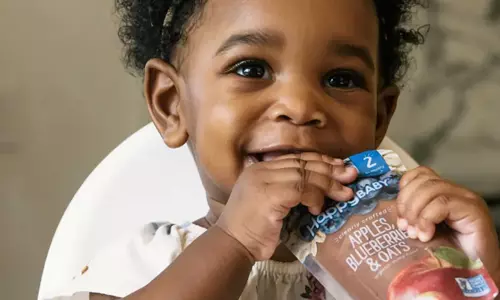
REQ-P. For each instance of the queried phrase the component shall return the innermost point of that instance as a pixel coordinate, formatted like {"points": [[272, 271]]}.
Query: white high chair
{"points": [[132, 186]]}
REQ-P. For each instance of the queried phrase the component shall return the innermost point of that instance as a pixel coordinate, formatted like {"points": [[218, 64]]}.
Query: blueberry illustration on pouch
{"points": [[333, 225], [368, 201], [366, 185], [391, 190], [365, 207]]}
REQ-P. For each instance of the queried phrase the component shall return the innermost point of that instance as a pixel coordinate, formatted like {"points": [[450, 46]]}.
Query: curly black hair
{"points": [[146, 35]]}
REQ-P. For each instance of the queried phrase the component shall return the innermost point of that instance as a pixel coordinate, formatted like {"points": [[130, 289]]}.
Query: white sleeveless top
{"points": [[131, 263]]}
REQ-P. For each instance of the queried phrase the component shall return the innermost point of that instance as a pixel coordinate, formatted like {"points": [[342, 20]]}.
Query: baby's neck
{"points": [[282, 254]]}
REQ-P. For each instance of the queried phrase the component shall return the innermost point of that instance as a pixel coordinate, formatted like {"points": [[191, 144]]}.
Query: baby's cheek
{"points": [[219, 157], [356, 128], [359, 141]]}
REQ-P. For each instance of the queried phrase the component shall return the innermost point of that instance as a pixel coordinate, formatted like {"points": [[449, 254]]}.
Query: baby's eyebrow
{"points": [[275, 39], [252, 38], [351, 50]]}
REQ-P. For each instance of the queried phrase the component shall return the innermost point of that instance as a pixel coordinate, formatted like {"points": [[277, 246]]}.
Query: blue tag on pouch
{"points": [[473, 287], [369, 164]]}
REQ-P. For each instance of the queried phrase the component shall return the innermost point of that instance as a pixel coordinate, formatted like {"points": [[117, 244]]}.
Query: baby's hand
{"points": [[426, 200], [266, 191]]}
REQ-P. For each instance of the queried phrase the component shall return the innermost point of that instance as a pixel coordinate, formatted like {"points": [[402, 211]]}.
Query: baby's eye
{"points": [[254, 69], [344, 79]]}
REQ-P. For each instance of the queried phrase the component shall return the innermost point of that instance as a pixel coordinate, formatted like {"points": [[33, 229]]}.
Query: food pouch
{"points": [[356, 250]]}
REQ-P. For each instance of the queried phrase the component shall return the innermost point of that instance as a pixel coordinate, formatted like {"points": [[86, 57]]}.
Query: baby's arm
{"points": [[214, 266]]}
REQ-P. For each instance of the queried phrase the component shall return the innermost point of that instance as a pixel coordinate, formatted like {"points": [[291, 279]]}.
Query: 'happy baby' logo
{"points": [[367, 193], [375, 182]]}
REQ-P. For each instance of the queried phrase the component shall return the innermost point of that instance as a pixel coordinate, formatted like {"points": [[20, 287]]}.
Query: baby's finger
{"points": [[314, 199], [301, 178], [415, 173], [452, 209], [435, 213], [313, 156], [418, 194], [435, 190], [425, 230], [408, 193], [339, 173], [420, 232], [285, 196]]}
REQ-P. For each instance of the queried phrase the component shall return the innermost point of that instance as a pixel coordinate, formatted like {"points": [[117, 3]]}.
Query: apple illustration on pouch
{"points": [[431, 296], [434, 277]]}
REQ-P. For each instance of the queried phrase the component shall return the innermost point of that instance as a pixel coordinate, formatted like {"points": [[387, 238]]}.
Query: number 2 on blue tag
{"points": [[369, 163]]}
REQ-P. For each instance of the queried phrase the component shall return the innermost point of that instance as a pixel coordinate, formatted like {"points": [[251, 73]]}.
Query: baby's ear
{"points": [[162, 91], [386, 106]]}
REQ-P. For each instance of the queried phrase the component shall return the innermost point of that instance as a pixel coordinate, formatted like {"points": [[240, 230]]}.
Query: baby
{"points": [[270, 96]]}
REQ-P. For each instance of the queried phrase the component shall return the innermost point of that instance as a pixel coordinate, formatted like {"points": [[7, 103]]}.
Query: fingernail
{"points": [[315, 210], [350, 170], [412, 232], [347, 190], [402, 224], [337, 161], [423, 236]]}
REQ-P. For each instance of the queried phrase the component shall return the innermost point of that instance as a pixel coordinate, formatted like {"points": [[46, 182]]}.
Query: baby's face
{"points": [[261, 77]]}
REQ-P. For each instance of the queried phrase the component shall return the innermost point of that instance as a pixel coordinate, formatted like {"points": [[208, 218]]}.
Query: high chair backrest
{"points": [[141, 181]]}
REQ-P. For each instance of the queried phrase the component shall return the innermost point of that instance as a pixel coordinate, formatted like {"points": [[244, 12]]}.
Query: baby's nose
{"points": [[316, 119], [299, 105]]}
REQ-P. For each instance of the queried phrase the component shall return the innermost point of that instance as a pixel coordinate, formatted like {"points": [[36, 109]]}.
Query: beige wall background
{"points": [[65, 102], [448, 115]]}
